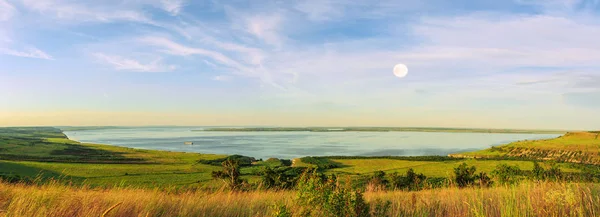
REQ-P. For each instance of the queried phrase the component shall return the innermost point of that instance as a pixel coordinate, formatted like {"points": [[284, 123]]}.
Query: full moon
{"points": [[400, 70]]}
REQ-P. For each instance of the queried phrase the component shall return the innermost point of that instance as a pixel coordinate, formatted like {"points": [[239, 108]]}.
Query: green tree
{"points": [[507, 175], [230, 175], [319, 197], [411, 181], [483, 179], [554, 173], [538, 172], [378, 179], [464, 175]]}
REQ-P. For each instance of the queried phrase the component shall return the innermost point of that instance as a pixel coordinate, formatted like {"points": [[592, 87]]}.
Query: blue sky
{"points": [[499, 64]]}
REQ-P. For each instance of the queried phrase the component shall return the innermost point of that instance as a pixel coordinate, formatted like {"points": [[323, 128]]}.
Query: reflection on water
{"points": [[298, 144]]}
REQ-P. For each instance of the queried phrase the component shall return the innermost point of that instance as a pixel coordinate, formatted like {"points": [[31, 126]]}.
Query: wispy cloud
{"points": [[29, 53], [172, 6], [6, 10], [319, 10], [73, 12], [127, 64], [265, 27], [173, 48], [561, 6]]}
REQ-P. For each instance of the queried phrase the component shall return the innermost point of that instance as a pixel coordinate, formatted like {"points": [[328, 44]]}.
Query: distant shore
{"points": [[377, 129]]}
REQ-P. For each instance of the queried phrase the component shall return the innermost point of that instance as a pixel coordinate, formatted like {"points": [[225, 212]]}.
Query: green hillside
{"points": [[576, 147], [48, 153]]}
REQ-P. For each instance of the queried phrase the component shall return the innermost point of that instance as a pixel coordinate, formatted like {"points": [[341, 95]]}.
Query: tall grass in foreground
{"points": [[528, 199]]}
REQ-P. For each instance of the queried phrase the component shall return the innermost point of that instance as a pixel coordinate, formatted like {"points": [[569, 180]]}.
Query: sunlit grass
{"points": [[528, 199]]}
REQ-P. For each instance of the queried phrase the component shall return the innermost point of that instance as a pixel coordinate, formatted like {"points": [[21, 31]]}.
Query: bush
{"points": [[464, 175], [318, 197], [554, 173], [378, 181], [321, 162], [242, 160], [10, 178], [507, 175], [484, 180], [280, 177], [538, 172], [411, 182]]}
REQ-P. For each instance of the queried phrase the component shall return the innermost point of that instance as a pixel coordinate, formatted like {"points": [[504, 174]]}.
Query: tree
{"points": [[464, 175], [411, 181], [378, 179], [507, 175], [280, 177], [538, 171], [484, 179], [230, 175], [319, 197], [554, 172]]}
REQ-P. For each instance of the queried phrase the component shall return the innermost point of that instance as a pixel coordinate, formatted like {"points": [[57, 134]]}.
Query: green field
{"points": [[428, 168], [47, 153]]}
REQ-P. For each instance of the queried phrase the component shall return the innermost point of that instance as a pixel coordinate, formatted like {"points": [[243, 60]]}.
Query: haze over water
{"points": [[298, 144]]}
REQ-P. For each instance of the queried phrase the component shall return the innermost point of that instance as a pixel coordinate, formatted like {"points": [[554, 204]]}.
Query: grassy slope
{"points": [[577, 147], [46, 152]]}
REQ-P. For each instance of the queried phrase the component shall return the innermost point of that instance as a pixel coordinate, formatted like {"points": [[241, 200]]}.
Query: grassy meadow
{"points": [[43, 173]]}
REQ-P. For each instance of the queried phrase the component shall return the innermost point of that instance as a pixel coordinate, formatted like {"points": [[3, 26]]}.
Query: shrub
{"points": [[321, 162], [538, 172], [484, 180], [280, 177], [318, 197], [464, 175], [411, 181], [554, 173], [378, 181], [507, 175], [242, 160], [11, 178]]}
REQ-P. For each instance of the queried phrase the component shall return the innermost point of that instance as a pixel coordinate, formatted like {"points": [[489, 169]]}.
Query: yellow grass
{"points": [[529, 199]]}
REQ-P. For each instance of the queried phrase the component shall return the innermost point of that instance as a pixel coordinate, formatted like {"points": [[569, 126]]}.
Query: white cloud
{"points": [[6, 10], [29, 53], [265, 28], [174, 48], [172, 6], [507, 41], [126, 64], [83, 13], [319, 10]]}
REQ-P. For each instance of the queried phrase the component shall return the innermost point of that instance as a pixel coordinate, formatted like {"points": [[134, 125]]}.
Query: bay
{"points": [[298, 144]]}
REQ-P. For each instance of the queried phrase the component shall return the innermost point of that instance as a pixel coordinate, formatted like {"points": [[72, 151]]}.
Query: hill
{"points": [[574, 147]]}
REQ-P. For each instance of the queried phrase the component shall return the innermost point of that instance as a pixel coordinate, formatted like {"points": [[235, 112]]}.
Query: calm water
{"points": [[298, 144]]}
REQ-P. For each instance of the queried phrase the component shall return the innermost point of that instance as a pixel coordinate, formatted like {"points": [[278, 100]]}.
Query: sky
{"points": [[525, 64]]}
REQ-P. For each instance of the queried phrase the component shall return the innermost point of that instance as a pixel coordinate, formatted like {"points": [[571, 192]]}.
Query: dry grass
{"points": [[529, 199]]}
